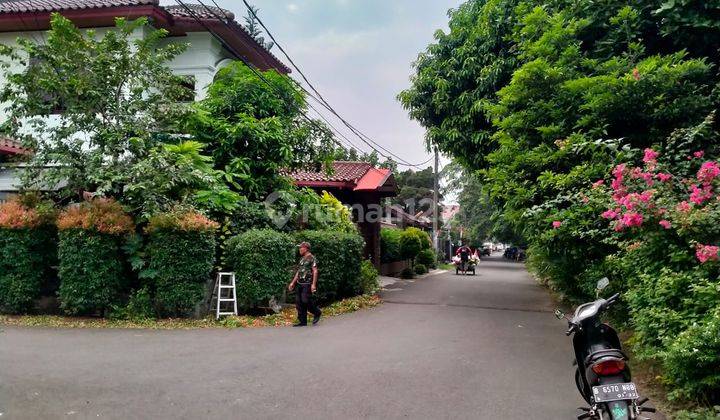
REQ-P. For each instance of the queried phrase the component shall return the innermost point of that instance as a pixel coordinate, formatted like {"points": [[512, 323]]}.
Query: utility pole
{"points": [[435, 233]]}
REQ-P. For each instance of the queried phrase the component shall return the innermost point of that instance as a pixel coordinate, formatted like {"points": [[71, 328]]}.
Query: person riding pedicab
{"points": [[464, 252]]}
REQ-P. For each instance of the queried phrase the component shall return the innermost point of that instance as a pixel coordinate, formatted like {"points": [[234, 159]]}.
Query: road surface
{"points": [[446, 346]]}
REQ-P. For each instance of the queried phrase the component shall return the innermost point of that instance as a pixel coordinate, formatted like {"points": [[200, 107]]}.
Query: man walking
{"points": [[306, 279]]}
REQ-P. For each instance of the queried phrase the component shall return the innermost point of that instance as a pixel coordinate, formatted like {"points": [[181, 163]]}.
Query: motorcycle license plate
{"points": [[615, 392]]}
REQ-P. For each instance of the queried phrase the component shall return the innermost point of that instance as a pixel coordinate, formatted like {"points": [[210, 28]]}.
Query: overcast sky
{"points": [[358, 53]]}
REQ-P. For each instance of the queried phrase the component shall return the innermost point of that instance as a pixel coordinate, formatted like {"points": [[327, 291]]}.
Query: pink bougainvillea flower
{"points": [[705, 253], [556, 224], [585, 199], [645, 196], [619, 226], [708, 171], [683, 207], [619, 171], [609, 214], [664, 177], [700, 195], [666, 224], [617, 184], [598, 183], [632, 219], [636, 74], [650, 157], [629, 201], [699, 154]]}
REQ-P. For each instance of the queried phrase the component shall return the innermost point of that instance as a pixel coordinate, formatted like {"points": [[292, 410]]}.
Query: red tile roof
{"points": [[199, 11], [176, 18], [11, 147], [342, 172], [19, 6], [355, 176]]}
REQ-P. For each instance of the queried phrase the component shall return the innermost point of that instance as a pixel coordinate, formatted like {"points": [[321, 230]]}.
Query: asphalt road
{"points": [[446, 346]]}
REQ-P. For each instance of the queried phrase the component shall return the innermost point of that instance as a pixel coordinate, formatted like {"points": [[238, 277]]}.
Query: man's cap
{"points": [[304, 245]]}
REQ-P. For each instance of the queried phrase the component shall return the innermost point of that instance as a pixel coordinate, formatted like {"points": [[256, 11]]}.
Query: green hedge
{"points": [[339, 256], [410, 245], [390, 245], [262, 261], [427, 258], [26, 258], [369, 277], [91, 271], [181, 263]]}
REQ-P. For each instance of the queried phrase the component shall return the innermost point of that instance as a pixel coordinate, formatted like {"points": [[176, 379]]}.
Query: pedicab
{"points": [[466, 266]]}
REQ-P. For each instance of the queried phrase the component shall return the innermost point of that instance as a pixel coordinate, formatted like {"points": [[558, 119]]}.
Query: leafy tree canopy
{"points": [[255, 130], [415, 190], [100, 112], [542, 95]]}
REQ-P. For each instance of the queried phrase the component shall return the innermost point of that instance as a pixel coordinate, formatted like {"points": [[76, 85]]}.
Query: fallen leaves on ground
{"points": [[284, 318]]}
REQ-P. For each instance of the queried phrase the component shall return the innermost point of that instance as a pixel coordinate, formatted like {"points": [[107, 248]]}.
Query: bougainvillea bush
{"points": [[28, 249], [92, 272], [665, 215], [181, 248]]}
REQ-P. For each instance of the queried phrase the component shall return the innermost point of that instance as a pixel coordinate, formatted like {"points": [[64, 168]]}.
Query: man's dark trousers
{"points": [[305, 302]]}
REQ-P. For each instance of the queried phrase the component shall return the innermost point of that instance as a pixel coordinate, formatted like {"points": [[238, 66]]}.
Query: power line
{"points": [[277, 91], [210, 11], [321, 99]]}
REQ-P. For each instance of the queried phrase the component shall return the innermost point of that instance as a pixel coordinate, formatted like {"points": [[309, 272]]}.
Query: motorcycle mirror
{"points": [[559, 314], [603, 283]]}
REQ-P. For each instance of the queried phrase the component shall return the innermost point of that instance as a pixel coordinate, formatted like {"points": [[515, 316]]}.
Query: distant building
{"points": [[395, 216], [448, 212], [360, 186]]}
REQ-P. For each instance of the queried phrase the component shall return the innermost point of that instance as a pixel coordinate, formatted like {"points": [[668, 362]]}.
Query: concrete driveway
{"points": [[446, 346]]}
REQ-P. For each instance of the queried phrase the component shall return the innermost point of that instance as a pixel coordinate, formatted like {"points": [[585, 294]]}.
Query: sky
{"points": [[358, 54]]}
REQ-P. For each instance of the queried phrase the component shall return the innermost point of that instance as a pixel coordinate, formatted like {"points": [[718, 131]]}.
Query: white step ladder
{"points": [[229, 297]]}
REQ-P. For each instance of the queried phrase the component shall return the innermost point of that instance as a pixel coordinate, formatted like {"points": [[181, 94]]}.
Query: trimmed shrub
{"points": [[427, 258], [424, 237], [407, 273], [339, 256], [181, 248], [421, 269], [92, 273], [262, 261], [390, 245], [410, 245], [369, 277], [139, 307], [28, 249]]}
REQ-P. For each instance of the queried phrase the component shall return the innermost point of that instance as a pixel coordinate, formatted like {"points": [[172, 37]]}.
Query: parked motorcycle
{"points": [[602, 375]]}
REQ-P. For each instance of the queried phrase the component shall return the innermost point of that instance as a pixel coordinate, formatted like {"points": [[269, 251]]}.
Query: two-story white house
{"points": [[207, 52]]}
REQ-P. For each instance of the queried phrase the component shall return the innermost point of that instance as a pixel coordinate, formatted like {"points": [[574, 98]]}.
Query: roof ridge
{"points": [[25, 6]]}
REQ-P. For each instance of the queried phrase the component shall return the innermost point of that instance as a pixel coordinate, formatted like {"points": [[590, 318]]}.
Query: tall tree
{"points": [[253, 27], [256, 130], [95, 109], [415, 190]]}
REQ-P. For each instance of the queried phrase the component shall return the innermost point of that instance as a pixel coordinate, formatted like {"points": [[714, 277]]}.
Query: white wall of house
{"points": [[201, 60]]}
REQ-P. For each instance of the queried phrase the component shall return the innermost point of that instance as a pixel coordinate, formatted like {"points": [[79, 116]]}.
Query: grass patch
{"points": [[286, 317]]}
